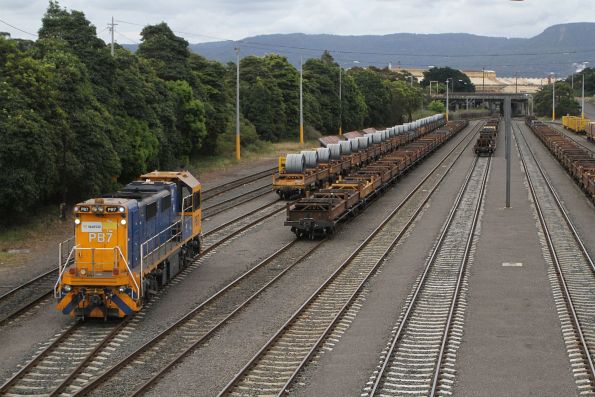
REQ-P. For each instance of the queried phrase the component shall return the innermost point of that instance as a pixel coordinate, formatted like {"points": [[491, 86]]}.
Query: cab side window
{"points": [[187, 203]]}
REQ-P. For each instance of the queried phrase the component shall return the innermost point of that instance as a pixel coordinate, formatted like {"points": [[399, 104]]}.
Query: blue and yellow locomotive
{"points": [[128, 244]]}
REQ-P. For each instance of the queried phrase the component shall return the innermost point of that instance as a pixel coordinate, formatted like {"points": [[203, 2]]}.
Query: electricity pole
{"points": [[508, 129], [301, 101], [447, 100], [237, 103], [111, 27], [553, 96], [583, 99], [340, 104]]}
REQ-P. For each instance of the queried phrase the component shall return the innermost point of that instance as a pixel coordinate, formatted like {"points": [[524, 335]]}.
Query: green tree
{"points": [[28, 142], [168, 53], [589, 74], [210, 86], [286, 78], [437, 107], [353, 104], [377, 94], [565, 102], [405, 99], [261, 98], [460, 81], [79, 37]]}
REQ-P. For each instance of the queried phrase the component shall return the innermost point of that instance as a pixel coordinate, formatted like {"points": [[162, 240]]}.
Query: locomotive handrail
{"points": [[117, 250], [62, 271], [138, 289]]}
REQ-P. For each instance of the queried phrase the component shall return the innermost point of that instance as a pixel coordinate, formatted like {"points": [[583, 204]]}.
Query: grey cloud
{"points": [[236, 19]]}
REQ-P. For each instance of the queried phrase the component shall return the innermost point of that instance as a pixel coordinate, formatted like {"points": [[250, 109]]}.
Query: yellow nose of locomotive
{"points": [[95, 281]]}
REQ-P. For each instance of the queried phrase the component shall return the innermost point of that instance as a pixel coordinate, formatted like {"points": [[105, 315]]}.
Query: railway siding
{"points": [[571, 271], [273, 369], [430, 326]]}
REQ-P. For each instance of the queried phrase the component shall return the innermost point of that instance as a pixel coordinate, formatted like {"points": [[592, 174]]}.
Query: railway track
{"points": [[18, 300], [571, 271], [275, 366], [217, 190], [195, 328], [231, 202], [63, 355], [223, 233], [413, 363], [27, 296]]}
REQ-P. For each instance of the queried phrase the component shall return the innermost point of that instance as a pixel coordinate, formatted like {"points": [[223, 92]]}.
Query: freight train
{"points": [[128, 244], [575, 124], [486, 142], [319, 213], [579, 163], [310, 170]]}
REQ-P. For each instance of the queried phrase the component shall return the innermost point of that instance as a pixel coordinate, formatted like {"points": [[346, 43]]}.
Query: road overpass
{"points": [[521, 103]]}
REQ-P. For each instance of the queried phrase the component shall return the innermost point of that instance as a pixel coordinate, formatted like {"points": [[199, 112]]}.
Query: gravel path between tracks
{"points": [[512, 343], [236, 343], [351, 361]]}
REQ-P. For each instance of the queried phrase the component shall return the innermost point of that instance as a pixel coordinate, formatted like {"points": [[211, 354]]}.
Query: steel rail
{"points": [[39, 357], [241, 198], [434, 254], [559, 272], [237, 378], [203, 306], [219, 189], [559, 204], [463, 269], [18, 311], [51, 348]]}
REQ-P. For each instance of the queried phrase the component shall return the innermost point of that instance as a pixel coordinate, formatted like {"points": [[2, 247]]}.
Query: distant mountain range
{"points": [[553, 50]]}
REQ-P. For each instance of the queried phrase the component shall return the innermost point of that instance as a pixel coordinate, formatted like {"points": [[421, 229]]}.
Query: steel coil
{"points": [[354, 142], [335, 150], [311, 157], [345, 147], [295, 163], [363, 142], [324, 154]]}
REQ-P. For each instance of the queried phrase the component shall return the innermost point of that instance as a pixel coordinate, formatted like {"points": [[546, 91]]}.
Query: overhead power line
{"points": [[19, 29]]}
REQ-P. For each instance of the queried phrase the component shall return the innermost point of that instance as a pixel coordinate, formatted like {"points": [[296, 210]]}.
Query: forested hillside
{"points": [[76, 122]]}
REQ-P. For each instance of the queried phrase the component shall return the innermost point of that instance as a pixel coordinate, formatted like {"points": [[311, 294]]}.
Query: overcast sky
{"points": [[206, 20]]}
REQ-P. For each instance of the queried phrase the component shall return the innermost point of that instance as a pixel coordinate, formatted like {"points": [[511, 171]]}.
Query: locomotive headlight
{"points": [[122, 288], [123, 221], [121, 209], [67, 288], [83, 272], [77, 221]]}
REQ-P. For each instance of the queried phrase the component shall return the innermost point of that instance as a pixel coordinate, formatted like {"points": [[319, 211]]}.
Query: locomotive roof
{"points": [[184, 176], [139, 190]]}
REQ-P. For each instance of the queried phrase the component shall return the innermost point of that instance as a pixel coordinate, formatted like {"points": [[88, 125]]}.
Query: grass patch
{"points": [[265, 151], [33, 232]]}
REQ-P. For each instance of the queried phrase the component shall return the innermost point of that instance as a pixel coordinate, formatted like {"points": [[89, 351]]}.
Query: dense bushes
{"points": [[76, 122]]}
